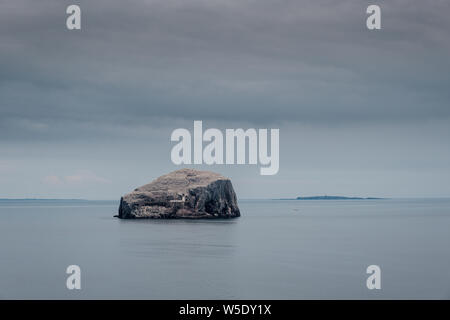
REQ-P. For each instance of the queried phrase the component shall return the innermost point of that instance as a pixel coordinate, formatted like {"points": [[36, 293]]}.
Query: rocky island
{"points": [[185, 193]]}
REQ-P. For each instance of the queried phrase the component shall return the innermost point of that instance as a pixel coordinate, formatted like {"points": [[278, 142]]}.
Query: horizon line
{"points": [[269, 198]]}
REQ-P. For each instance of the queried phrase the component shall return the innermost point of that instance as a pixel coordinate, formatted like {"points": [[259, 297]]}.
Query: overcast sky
{"points": [[88, 114]]}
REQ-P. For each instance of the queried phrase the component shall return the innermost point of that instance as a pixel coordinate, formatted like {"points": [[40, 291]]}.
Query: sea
{"points": [[277, 249]]}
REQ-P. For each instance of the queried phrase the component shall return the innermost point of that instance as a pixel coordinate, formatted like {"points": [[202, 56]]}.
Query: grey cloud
{"points": [[360, 112], [138, 62]]}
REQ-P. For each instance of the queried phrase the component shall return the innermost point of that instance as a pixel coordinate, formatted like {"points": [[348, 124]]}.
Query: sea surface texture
{"points": [[277, 249]]}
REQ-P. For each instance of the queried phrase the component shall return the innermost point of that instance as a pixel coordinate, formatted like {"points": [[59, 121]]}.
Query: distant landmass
{"points": [[335, 198]]}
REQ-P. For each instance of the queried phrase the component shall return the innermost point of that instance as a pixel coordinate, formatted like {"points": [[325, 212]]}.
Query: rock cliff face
{"points": [[184, 193]]}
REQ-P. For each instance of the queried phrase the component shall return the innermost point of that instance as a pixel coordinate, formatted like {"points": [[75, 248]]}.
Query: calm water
{"points": [[276, 250]]}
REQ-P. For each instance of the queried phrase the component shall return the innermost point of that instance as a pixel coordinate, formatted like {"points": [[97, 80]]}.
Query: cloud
{"points": [[107, 97], [52, 180], [85, 177], [79, 178], [264, 61], [6, 166]]}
